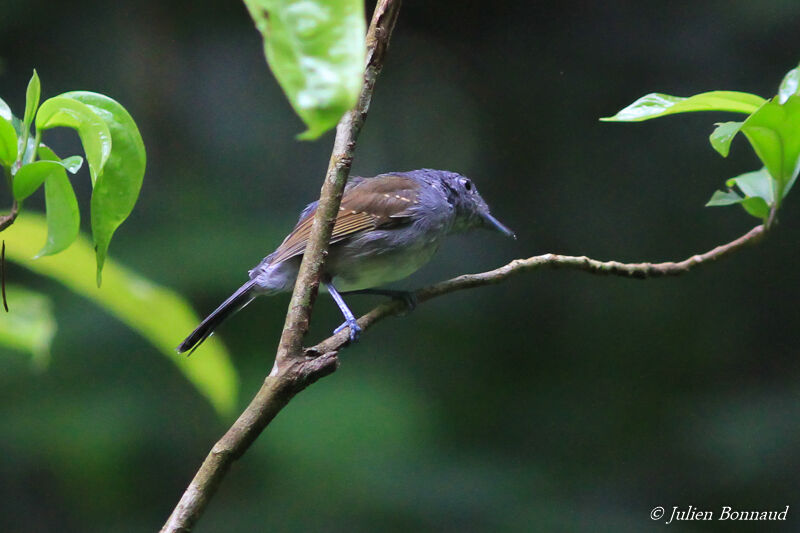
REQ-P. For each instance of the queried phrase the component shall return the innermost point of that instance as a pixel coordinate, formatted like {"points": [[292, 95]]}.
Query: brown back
{"points": [[370, 204]]}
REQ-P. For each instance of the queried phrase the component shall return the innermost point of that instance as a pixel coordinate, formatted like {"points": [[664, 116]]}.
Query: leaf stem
{"points": [[35, 151]]}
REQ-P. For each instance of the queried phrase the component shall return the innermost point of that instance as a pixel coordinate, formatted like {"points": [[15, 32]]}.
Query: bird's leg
{"points": [[407, 297], [349, 318]]}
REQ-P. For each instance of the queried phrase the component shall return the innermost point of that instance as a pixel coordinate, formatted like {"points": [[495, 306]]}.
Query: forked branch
{"points": [[295, 367], [293, 371]]}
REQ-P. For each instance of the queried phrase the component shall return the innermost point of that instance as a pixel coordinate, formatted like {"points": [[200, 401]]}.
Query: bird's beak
{"points": [[495, 224]]}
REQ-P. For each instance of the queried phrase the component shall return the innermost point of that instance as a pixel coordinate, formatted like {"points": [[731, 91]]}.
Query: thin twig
{"points": [[293, 371], [7, 220], [517, 266]]}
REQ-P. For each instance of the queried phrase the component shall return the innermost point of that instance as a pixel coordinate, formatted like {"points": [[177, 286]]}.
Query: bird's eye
{"points": [[466, 183]]}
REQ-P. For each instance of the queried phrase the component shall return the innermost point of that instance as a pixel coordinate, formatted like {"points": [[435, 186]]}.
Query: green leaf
{"points": [[116, 191], [757, 188], [316, 50], [8, 143], [159, 314], [93, 131], [72, 163], [722, 136], [32, 95], [5, 111], [17, 123], [63, 218], [29, 325], [789, 86], [756, 207], [31, 176], [656, 105], [774, 133], [25, 145], [756, 184], [721, 198]]}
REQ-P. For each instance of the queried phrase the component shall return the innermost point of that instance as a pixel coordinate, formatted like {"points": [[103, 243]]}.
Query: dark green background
{"points": [[557, 401]]}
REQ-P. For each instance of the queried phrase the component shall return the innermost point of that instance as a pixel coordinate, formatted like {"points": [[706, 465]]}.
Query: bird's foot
{"points": [[407, 297], [355, 330]]}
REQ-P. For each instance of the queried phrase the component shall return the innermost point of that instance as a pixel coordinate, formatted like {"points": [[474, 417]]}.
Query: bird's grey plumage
{"points": [[387, 228]]}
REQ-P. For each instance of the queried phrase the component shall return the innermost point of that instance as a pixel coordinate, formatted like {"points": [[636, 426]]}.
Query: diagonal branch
{"points": [[293, 371], [347, 131]]}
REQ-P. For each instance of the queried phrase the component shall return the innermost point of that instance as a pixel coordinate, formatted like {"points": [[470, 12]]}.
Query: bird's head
{"points": [[471, 209]]}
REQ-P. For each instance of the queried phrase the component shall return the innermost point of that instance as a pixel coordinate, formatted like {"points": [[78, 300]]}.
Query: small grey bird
{"points": [[387, 228]]}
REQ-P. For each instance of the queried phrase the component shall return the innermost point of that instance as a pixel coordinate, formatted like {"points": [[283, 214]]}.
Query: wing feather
{"points": [[368, 204]]}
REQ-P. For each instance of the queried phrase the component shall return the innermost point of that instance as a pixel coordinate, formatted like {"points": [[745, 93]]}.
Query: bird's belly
{"points": [[364, 271]]}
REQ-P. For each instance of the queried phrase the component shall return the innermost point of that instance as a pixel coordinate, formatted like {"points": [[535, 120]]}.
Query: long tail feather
{"points": [[237, 301]]}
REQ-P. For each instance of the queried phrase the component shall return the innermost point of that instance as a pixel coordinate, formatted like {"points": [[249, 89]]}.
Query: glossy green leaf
{"points": [[29, 326], [316, 50], [31, 176], [790, 85], [8, 143], [25, 147], [63, 218], [756, 207], [658, 105], [93, 131], [774, 133], [32, 96], [722, 198], [17, 123], [723, 135], [116, 191], [5, 111], [758, 184], [72, 163], [757, 193], [159, 314]]}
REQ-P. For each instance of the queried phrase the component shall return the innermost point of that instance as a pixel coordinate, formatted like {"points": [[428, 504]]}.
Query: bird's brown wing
{"points": [[372, 203]]}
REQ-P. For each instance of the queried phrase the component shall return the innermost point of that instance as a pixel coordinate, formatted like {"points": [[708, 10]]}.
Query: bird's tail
{"points": [[237, 301]]}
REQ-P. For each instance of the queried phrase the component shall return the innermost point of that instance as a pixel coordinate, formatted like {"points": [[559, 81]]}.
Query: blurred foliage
{"points": [[158, 314], [555, 402], [31, 326], [316, 49]]}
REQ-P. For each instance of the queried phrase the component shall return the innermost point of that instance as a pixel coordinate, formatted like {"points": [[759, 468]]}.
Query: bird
{"points": [[387, 227]]}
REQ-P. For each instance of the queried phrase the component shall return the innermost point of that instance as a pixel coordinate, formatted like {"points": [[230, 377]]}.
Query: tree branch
{"points": [[7, 220], [293, 370], [347, 131], [517, 266]]}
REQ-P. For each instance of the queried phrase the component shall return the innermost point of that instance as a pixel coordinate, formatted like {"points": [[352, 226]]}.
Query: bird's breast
{"points": [[374, 262]]}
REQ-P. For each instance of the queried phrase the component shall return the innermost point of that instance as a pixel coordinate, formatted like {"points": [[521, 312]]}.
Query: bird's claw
{"points": [[355, 330], [407, 297]]}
